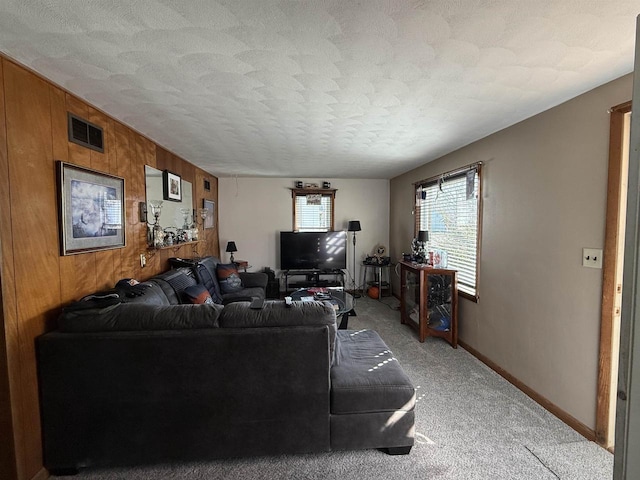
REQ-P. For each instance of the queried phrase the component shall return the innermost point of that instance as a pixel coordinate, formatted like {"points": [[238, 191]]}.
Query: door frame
{"points": [[604, 435]]}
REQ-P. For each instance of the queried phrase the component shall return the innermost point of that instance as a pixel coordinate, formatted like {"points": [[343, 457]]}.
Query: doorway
{"points": [[619, 141]]}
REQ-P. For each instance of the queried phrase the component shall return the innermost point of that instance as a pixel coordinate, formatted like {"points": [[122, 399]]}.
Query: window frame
{"points": [[303, 192], [452, 174]]}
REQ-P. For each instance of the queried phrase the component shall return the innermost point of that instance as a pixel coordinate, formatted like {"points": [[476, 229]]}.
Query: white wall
{"points": [[253, 211], [544, 199]]}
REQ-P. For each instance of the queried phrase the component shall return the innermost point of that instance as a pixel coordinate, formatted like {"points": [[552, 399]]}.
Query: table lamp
{"points": [[231, 248]]}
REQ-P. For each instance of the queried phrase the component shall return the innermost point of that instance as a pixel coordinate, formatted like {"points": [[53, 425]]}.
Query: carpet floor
{"points": [[470, 424]]}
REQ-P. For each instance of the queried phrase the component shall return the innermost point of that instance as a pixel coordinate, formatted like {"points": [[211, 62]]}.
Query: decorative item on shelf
{"points": [[311, 185], [378, 257], [187, 232], [202, 213], [170, 236], [326, 185], [418, 247], [299, 184], [231, 248], [438, 258], [156, 234], [354, 226], [186, 212]]}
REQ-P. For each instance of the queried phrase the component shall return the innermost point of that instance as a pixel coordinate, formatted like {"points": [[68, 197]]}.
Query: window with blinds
{"points": [[448, 207], [313, 212]]}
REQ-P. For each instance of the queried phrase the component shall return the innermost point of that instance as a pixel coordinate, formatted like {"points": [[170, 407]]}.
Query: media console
{"points": [[313, 278]]}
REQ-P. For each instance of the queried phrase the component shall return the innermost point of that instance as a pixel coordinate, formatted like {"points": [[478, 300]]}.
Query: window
{"points": [[449, 208], [313, 210]]}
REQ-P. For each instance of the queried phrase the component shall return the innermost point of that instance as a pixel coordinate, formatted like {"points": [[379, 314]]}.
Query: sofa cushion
{"points": [[148, 293], [228, 278], [366, 377], [196, 294], [132, 316], [244, 295], [173, 282], [275, 314]]}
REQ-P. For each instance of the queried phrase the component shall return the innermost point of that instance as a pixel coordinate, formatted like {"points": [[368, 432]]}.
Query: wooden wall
{"points": [[36, 281]]}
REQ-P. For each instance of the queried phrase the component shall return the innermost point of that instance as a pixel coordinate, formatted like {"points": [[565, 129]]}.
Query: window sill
{"points": [[468, 296]]}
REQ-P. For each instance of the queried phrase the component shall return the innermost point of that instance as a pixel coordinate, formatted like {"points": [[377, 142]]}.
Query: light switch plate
{"points": [[592, 257]]}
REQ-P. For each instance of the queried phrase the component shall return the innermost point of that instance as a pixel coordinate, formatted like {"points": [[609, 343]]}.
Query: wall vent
{"points": [[85, 133]]}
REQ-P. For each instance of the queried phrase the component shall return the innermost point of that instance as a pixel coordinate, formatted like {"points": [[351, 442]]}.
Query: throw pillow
{"points": [[228, 278], [197, 294], [209, 281]]}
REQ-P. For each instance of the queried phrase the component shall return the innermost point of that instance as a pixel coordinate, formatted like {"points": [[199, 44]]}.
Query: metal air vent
{"points": [[85, 133]]}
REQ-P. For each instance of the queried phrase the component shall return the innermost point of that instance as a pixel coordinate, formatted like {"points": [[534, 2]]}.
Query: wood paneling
{"points": [[33, 206], [77, 271], [36, 281], [8, 317]]}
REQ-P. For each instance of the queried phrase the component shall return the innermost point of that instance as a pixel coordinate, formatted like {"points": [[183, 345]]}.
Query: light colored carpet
{"points": [[470, 424]]}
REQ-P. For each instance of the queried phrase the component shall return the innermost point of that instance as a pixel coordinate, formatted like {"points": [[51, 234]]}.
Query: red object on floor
{"points": [[373, 292]]}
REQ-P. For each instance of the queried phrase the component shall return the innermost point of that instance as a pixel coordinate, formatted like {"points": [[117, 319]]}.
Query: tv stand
{"points": [[313, 278]]}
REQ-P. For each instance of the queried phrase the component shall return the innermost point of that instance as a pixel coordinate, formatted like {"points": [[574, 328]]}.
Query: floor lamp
{"points": [[354, 226]]}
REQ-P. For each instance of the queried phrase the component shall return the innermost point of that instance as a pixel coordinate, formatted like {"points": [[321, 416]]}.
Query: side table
{"points": [[242, 264], [381, 278]]}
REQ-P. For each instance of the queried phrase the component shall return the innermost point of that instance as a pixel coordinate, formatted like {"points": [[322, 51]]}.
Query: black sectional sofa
{"points": [[141, 379]]}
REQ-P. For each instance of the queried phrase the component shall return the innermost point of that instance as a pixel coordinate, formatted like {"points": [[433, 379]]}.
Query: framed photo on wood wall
{"points": [[171, 186], [90, 209], [210, 219]]}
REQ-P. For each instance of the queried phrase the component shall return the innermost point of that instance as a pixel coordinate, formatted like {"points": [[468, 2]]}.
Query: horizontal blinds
{"points": [[313, 214], [450, 215]]}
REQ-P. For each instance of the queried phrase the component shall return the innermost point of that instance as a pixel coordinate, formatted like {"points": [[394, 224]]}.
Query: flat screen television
{"points": [[313, 250]]}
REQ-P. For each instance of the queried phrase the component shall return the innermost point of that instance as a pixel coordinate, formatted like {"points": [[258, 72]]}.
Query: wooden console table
{"points": [[429, 301]]}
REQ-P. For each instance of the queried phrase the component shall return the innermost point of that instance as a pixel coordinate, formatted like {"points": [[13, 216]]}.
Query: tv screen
{"points": [[313, 250]]}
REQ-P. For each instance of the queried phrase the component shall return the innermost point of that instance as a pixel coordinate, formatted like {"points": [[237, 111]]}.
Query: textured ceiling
{"points": [[360, 89]]}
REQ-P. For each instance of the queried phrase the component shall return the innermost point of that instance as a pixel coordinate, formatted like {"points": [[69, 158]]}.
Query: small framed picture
{"points": [[91, 210], [171, 186], [210, 219]]}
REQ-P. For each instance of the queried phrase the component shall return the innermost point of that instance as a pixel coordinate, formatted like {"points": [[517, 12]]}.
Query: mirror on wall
{"points": [[170, 222]]}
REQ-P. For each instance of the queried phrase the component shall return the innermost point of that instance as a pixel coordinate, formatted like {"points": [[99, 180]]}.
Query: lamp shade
{"points": [[231, 247], [423, 236], [354, 226]]}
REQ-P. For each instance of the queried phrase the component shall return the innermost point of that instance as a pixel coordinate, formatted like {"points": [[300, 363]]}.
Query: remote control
{"points": [[256, 303]]}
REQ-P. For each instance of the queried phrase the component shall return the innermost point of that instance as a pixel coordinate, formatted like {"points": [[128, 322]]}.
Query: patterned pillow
{"points": [[197, 294], [228, 278]]}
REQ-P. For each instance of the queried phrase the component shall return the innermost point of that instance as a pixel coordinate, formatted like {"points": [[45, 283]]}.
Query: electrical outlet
{"points": [[592, 257], [143, 260]]}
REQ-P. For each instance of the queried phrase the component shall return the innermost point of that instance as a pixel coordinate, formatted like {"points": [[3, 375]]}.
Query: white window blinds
{"points": [[448, 208], [313, 213]]}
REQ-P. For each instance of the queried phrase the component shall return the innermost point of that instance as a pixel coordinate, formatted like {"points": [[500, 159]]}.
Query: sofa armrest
{"points": [[254, 279]]}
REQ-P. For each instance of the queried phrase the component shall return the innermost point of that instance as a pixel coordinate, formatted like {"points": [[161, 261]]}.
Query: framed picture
{"points": [[210, 219], [91, 210], [171, 186]]}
